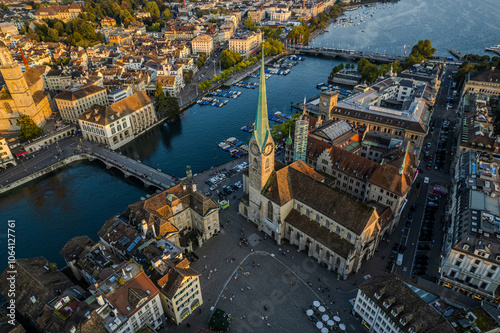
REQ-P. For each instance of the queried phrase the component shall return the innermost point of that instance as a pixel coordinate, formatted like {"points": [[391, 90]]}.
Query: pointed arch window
{"points": [[255, 164], [270, 211], [267, 163]]}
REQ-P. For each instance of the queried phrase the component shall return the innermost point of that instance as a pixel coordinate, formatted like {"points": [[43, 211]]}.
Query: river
{"points": [[78, 199]]}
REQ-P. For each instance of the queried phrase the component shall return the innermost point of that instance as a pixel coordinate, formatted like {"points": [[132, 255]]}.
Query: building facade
{"points": [[74, 101], [119, 123], [64, 13], [202, 44], [246, 44], [6, 157]]}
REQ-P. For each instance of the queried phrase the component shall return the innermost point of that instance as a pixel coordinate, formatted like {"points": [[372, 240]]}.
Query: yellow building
{"points": [[108, 22], [22, 94], [202, 44], [246, 44], [75, 101], [179, 285], [64, 13]]}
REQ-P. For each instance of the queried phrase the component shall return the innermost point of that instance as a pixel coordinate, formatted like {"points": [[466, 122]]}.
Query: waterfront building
{"points": [[181, 208], [388, 304], [75, 100], [119, 123], [293, 203], [129, 300], [246, 44], [179, 284], [170, 84], [202, 44], [486, 82], [394, 107], [6, 157], [281, 15], [64, 13], [22, 94], [471, 250]]}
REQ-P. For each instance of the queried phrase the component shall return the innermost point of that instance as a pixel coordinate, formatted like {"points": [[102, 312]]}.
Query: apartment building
{"points": [[118, 94], [57, 79], [6, 157], [281, 15], [129, 300], [388, 304], [484, 82], [470, 255], [246, 44], [202, 44], [119, 123], [179, 284], [395, 107], [8, 28], [256, 14], [75, 100]]}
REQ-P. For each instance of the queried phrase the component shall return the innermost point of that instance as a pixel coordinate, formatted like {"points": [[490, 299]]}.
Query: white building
{"points": [[119, 123], [74, 101], [118, 94], [388, 304], [246, 44], [129, 300], [6, 157]]}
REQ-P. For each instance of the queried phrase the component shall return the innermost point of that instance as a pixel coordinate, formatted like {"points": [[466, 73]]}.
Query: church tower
{"points": [[16, 83], [261, 153], [301, 133]]}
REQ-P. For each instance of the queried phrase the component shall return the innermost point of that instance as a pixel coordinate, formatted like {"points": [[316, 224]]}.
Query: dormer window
{"points": [[466, 247], [377, 296]]}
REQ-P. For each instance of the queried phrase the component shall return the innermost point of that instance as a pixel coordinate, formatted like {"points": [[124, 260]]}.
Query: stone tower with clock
{"points": [[327, 100], [261, 153]]}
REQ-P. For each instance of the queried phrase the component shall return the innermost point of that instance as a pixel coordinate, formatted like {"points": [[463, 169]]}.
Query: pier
{"points": [[456, 54]]}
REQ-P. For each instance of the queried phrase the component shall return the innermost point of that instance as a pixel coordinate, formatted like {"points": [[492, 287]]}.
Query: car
{"points": [[395, 248], [433, 199], [408, 224], [432, 204], [402, 249], [213, 187], [426, 180], [429, 166]]}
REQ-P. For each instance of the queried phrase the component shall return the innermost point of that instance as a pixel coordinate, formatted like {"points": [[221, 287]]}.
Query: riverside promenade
{"points": [[69, 150]]}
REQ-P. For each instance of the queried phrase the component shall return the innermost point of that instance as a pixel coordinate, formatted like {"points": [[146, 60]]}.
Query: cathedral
{"points": [[292, 203], [22, 94]]}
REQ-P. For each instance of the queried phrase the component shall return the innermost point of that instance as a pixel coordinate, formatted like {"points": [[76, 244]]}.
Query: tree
{"points": [[299, 34], [202, 60], [52, 35], [160, 99], [172, 109], [29, 130], [272, 47], [369, 73], [421, 51], [166, 14], [152, 8], [229, 58], [249, 24], [188, 75], [362, 63]]}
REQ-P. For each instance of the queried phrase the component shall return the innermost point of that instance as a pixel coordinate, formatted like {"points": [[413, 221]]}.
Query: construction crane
{"points": [[185, 6], [25, 61]]}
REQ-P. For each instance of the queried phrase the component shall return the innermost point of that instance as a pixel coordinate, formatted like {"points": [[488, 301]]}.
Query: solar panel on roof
{"points": [[123, 241]]}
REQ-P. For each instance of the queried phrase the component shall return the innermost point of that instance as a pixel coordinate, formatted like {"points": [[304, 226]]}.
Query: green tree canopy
{"points": [[299, 34], [29, 130], [272, 47], [421, 51], [166, 14], [229, 58], [152, 8]]}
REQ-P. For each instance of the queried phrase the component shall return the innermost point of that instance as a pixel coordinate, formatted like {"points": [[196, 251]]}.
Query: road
{"points": [[410, 236]]}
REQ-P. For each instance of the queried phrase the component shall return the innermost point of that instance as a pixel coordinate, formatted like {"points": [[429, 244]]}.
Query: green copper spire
{"points": [[261, 130], [402, 167]]}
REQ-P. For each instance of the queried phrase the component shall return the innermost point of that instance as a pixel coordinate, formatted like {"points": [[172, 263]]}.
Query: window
{"points": [[270, 210], [349, 237]]}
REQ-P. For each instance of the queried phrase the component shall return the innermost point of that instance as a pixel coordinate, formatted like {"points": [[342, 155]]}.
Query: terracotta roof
{"points": [[319, 233], [292, 182], [170, 282], [129, 295]]}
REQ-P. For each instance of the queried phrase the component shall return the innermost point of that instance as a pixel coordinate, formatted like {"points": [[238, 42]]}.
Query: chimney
{"points": [[100, 300], [183, 187], [194, 187], [144, 228]]}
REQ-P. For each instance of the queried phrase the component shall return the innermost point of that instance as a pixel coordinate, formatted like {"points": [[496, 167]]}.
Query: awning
{"points": [[21, 153]]}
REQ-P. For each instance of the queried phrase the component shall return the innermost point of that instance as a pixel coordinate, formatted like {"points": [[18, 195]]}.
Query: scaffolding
{"points": [[300, 140]]}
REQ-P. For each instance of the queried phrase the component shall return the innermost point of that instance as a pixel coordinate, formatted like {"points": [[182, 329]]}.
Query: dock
{"points": [[494, 49], [456, 54]]}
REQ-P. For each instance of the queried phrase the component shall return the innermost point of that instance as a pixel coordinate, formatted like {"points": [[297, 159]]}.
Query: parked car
{"points": [[432, 204]]}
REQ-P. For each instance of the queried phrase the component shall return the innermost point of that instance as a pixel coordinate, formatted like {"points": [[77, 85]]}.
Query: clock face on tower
{"points": [[268, 148], [255, 149]]}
